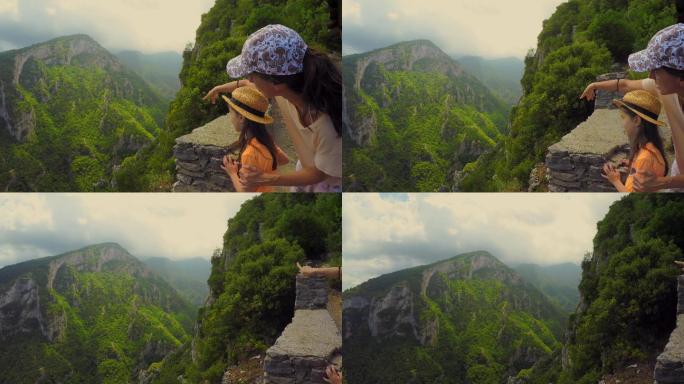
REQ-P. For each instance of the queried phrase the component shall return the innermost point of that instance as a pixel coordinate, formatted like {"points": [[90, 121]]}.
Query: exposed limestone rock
{"points": [[20, 310], [669, 366], [394, 314]]}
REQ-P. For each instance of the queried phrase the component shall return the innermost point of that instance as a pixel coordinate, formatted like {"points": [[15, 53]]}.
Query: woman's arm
{"points": [[327, 272], [645, 181], [621, 86], [226, 88], [673, 110], [251, 177], [281, 157]]}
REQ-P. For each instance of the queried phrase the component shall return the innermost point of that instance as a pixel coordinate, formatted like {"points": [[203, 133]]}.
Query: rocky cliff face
{"points": [[22, 69], [98, 294], [431, 307], [670, 364]]}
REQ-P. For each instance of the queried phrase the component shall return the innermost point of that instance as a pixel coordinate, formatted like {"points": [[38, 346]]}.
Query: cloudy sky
{"points": [[146, 25], [176, 226], [488, 28], [388, 232]]}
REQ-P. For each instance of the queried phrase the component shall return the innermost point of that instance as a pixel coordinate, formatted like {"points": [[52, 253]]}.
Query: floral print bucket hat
{"points": [[666, 49], [273, 50]]}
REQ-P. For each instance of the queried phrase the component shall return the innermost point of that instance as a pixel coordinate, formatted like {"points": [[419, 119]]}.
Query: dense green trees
{"points": [[578, 42], [427, 124], [219, 38], [252, 281]]}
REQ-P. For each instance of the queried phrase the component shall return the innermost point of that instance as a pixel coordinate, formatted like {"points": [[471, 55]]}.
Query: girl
{"points": [[639, 111], [307, 86], [248, 115]]}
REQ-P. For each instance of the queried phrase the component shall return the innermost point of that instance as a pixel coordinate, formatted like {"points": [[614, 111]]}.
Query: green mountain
{"points": [[501, 76], [70, 114], [628, 292], [94, 315], [252, 282], [559, 282], [581, 40], [160, 70], [469, 319], [219, 38], [188, 276], [413, 118]]}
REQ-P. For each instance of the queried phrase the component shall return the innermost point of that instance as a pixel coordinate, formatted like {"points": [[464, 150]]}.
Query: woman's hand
{"points": [[610, 173], [589, 93], [251, 177], [214, 93], [306, 270], [332, 375], [645, 181]]}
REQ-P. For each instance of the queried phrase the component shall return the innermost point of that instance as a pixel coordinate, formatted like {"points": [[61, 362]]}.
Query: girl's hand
{"points": [[589, 93], [230, 166], [332, 375], [610, 173]]}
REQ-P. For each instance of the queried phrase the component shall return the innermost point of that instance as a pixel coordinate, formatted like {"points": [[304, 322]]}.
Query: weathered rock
{"points": [[669, 366], [304, 349], [312, 292], [199, 157]]}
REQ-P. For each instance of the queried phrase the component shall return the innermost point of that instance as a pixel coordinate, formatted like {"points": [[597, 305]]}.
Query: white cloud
{"points": [[383, 233], [489, 28], [145, 25], [176, 226]]}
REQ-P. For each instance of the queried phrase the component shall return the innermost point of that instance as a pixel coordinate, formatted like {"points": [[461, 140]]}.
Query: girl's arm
{"points": [[611, 174], [622, 86], [230, 167]]}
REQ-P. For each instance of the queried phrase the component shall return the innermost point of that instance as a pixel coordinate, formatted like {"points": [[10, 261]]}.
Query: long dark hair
{"points": [[648, 133], [320, 85], [259, 132]]}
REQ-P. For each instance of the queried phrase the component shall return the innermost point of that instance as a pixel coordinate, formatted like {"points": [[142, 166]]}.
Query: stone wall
{"points": [[669, 366], [575, 163], [310, 343]]}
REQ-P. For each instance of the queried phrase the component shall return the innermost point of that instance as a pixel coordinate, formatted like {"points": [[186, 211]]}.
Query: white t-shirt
{"points": [[672, 104], [322, 147]]}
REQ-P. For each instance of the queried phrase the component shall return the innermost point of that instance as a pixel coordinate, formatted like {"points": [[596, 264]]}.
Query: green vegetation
{"points": [[479, 330], [252, 280], [580, 41], [426, 124], [84, 118], [220, 38], [107, 324]]}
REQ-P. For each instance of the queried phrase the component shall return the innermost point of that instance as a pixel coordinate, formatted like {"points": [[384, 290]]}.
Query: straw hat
{"points": [[643, 103], [250, 103]]}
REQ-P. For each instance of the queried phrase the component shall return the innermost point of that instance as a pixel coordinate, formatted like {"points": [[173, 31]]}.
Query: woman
{"points": [[639, 112], [248, 115], [308, 89], [664, 59]]}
